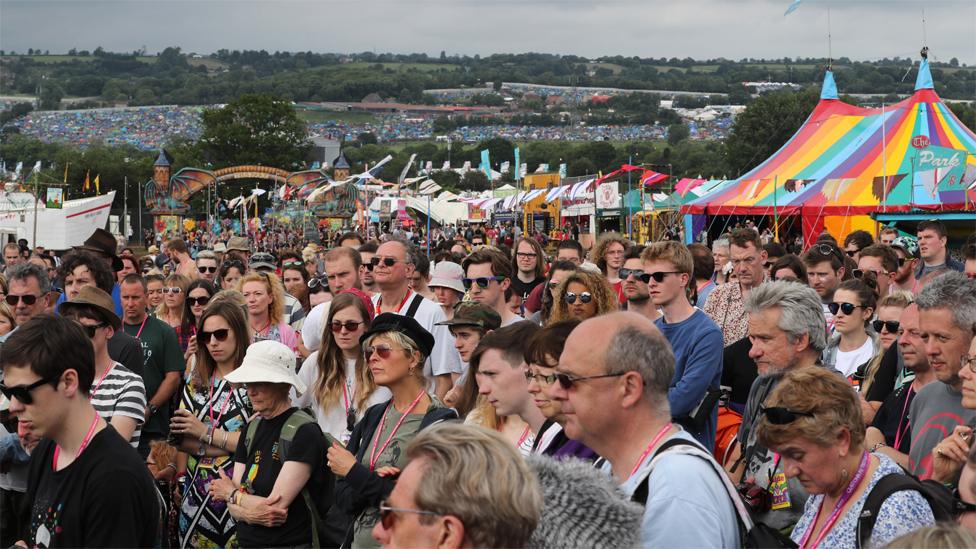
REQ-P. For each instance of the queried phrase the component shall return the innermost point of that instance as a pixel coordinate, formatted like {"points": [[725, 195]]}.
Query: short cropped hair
{"points": [[473, 474], [649, 354], [952, 291], [818, 391], [43, 342], [801, 311], [23, 271], [673, 252], [177, 245], [860, 238], [512, 341], [351, 235], [500, 265], [887, 255], [933, 225], [570, 245], [740, 238], [343, 251], [793, 263], [704, 261], [821, 252]]}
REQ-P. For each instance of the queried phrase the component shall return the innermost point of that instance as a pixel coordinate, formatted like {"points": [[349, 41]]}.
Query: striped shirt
{"points": [[121, 393]]}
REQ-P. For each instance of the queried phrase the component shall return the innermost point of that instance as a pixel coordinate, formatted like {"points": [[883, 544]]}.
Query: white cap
{"points": [[268, 362], [448, 275]]}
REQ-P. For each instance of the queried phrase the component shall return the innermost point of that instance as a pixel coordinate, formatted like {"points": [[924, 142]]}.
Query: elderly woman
{"points": [[278, 458], [395, 347], [265, 298], [583, 295], [812, 420]]}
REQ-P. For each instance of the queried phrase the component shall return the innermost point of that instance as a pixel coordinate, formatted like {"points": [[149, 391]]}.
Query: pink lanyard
{"points": [[213, 423], [84, 443], [525, 435], [657, 438], [862, 470], [374, 456], [101, 379], [899, 432], [139, 333]]}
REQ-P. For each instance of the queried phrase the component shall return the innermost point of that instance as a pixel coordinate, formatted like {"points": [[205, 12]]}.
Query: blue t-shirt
{"points": [[697, 344]]}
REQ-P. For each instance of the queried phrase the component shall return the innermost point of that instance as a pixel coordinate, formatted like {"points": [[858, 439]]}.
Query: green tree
{"points": [[765, 126], [51, 95], [475, 180], [255, 129], [366, 138], [677, 133]]}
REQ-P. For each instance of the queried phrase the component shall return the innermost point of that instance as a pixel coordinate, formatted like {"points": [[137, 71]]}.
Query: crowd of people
{"points": [[499, 391]]}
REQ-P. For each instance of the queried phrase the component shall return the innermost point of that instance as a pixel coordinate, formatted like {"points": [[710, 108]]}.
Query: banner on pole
{"points": [[55, 198]]}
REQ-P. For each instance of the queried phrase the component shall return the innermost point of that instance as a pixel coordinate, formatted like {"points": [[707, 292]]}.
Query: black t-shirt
{"points": [[884, 377], [892, 417], [262, 466], [125, 350], [739, 371], [105, 498], [525, 288]]}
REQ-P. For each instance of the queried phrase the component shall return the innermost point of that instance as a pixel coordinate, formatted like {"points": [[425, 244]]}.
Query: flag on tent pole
{"points": [[506, 165], [87, 184], [403, 174], [519, 173], [792, 7], [97, 190], [66, 172], [36, 168], [562, 171], [486, 163], [447, 165], [524, 171]]}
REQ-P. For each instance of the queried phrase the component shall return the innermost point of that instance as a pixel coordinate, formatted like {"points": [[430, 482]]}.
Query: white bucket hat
{"points": [[448, 275], [268, 362]]}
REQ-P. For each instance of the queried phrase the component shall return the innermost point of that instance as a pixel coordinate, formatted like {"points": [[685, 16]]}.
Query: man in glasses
{"points": [[612, 381], [947, 315], [883, 262], [825, 272], [906, 250], [29, 289], [162, 366], [695, 340], [86, 485], [787, 330], [434, 505], [855, 242], [117, 394], [528, 266], [634, 287], [392, 266], [366, 253], [932, 238], [488, 274], [208, 266], [725, 304]]}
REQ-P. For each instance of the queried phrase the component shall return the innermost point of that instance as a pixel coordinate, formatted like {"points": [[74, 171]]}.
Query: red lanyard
{"points": [[525, 435], [862, 470], [84, 443], [899, 432], [213, 423], [374, 456], [657, 438], [379, 303], [139, 333], [101, 379]]}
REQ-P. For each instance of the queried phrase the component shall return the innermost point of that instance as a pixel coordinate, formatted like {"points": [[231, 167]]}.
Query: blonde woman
{"points": [[265, 298], [171, 310], [583, 295], [7, 320]]}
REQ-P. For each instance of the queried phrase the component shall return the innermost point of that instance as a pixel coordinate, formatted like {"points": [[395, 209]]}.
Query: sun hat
{"points": [[238, 243], [154, 249], [392, 322], [447, 274], [268, 362], [90, 296], [220, 248]]}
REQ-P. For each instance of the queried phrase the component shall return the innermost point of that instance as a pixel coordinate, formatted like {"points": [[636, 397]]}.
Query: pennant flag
{"points": [[97, 190], [18, 169], [524, 171], [430, 166], [36, 168], [792, 7], [543, 168], [486, 163], [447, 165], [467, 166], [403, 174], [87, 184], [506, 165], [650, 177], [66, 172], [687, 184], [519, 169], [562, 171]]}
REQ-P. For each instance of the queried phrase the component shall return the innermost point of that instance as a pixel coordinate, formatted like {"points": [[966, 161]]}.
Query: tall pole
{"points": [[34, 238], [775, 211], [630, 206], [125, 208], [139, 201]]}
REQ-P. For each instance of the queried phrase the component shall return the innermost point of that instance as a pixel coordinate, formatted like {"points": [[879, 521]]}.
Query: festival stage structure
{"points": [[847, 163]]}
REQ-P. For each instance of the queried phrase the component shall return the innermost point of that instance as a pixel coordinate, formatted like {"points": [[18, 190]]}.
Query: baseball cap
{"points": [[472, 313], [268, 362], [907, 244], [262, 260], [238, 243], [447, 274]]}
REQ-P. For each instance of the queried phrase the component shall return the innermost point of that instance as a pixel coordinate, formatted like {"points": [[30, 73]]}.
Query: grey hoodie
{"points": [[582, 508]]}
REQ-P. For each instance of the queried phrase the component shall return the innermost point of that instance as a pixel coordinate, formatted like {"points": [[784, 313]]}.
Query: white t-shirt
{"points": [[848, 361], [313, 326], [121, 393], [333, 420], [444, 359]]}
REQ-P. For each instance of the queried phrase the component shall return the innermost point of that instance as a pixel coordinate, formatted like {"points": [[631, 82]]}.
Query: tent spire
{"points": [[829, 89], [924, 79]]}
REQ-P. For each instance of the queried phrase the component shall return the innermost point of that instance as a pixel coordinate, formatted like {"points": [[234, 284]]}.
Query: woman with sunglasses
{"points": [[340, 385], [812, 420], [198, 295], [207, 426], [172, 310], [395, 347], [853, 346], [881, 373], [265, 297], [584, 295], [231, 272], [558, 271]]}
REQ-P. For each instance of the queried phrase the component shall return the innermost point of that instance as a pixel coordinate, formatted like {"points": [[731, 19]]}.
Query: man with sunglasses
{"points": [[825, 272], [612, 381], [162, 366], [28, 291], [725, 304], [906, 250], [883, 262], [366, 253], [787, 331], [208, 266], [86, 485], [695, 340], [488, 275], [634, 285], [392, 266]]}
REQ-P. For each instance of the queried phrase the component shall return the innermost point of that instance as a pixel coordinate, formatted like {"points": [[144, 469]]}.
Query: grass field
{"points": [[403, 67]]}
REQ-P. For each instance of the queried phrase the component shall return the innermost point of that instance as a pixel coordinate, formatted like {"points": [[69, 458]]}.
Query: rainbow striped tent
{"points": [[847, 162]]}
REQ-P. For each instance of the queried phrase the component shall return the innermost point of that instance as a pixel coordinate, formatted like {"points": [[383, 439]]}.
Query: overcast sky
{"points": [[862, 29]]}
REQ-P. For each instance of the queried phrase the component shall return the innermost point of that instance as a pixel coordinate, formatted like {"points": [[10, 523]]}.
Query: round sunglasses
{"points": [[846, 308], [584, 297], [349, 325]]}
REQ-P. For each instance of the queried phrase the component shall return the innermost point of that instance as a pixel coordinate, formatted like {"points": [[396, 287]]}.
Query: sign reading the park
{"points": [[920, 141]]}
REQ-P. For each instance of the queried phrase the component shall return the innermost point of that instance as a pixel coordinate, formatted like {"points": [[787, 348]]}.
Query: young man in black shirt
{"points": [[87, 486]]}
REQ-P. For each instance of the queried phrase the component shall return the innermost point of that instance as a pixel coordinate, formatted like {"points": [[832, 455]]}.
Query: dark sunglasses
{"points": [[90, 330], [960, 506], [349, 325], [220, 335], [846, 308], [658, 276], [386, 261], [369, 265], [23, 392], [482, 281], [891, 325], [318, 284], [263, 258], [28, 299], [233, 263], [903, 260], [566, 381], [382, 350], [851, 253], [548, 379], [584, 297], [175, 290], [624, 273], [201, 301], [387, 513], [782, 416], [204, 270]]}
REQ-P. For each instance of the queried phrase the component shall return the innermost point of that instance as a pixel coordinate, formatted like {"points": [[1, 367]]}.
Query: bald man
{"points": [[614, 395]]}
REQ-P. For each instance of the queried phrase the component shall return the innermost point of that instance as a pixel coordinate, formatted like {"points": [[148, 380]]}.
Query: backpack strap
{"points": [[288, 432], [252, 428], [414, 305], [888, 485]]}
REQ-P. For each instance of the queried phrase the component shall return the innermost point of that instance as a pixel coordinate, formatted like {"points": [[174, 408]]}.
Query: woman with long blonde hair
{"points": [[583, 295], [340, 385], [171, 310]]}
